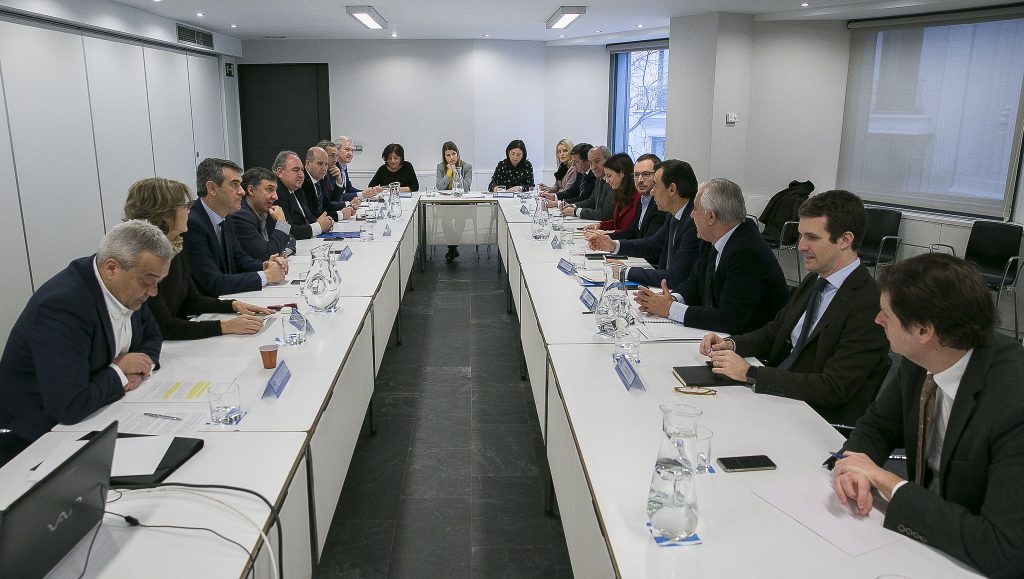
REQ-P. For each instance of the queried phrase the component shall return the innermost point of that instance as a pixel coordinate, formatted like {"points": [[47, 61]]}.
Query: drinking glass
{"points": [[225, 403]]}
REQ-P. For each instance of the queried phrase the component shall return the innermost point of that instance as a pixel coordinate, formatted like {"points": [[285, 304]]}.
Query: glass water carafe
{"points": [[613, 310], [323, 282], [458, 183], [541, 228], [672, 498]]}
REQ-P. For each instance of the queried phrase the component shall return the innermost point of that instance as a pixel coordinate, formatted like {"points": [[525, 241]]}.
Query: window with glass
{"points": [[933, 115], [639, 98]]}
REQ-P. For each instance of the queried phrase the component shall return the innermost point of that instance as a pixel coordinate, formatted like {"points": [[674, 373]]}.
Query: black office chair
{"points": [[790, 232], [994, 247], [881, 238]]}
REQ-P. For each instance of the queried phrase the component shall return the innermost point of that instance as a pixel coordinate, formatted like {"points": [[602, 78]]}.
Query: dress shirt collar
{"points": [[117, 311], [949, 379], [645, 200], [720, 244], [214, 218], [839, 276], [682, 210]]}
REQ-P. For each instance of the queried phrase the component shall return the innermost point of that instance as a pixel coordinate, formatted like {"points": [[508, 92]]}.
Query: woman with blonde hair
{"points": [[565, 175], [165, 203]]}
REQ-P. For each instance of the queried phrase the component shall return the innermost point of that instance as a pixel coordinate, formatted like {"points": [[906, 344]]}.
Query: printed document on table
{"points": [[135, 422], [658, 329], [187, 379], [810, 501]]}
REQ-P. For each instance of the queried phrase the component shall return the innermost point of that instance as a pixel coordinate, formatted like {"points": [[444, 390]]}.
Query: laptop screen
{"points": [[44, 524]]}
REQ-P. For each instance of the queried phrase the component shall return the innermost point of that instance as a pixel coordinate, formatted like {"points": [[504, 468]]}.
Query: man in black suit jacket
{"points": [[315, 187], [957, 406], [650, 218], [290, 198], [84, 338], [218, 263], [736, 284], [836, 357], [584, 183], [260, 225], [342, 181], [599, 204], [676, 242]]}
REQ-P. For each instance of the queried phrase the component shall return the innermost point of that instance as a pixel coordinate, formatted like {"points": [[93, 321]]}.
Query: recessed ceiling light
{"points": [[394, 35], [561, 36], [367, 16], [804, 4], [639, 25], [156, 0], [487, 35], [200, 14], [234, 26], [565, 15], [597, 32]]}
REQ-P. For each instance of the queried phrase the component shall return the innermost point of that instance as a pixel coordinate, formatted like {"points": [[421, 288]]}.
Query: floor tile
{"points": [[432, 539]]}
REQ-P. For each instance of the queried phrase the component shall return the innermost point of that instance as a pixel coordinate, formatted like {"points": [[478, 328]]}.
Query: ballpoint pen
{"points": [[164, 416]]}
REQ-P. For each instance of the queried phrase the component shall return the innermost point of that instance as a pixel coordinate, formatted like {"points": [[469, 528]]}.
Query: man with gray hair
{"points": [[736, 285], [346, 152], [85, 337]]}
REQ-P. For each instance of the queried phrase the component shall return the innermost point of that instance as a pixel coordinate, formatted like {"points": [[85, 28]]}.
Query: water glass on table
{"points": [[225, 403], [704, 435]]}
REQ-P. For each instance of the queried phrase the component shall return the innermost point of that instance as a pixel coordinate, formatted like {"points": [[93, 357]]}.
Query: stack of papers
{"points": [[136, 456]]}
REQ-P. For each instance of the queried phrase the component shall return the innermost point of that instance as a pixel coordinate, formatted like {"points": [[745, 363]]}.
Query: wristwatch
{"points": [[752, 375]]}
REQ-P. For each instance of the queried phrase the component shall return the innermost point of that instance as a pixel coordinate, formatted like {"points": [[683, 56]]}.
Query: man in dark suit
{"points": [[736, 284], [584, 183], [315, 187], [676, 242], [649, 219], [599, 204], [218, 263], [823, 347], [85, 337], [290, 198], [957, 406], [260, 225], [349, 192]]}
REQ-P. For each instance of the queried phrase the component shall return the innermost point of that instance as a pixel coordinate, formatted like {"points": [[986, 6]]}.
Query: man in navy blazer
{"points": [[676, 242], [85, 337], [342, 182], [737, 284], [650, 218], [291, 199], [315, 187], [259, 225], [218, 263]]}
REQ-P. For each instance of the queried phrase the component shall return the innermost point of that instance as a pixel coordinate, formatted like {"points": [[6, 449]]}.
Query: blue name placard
{"points": [[381, 211], [345, 254], [524, 210], [405, 194], [387, 231], [589, 299], [296, 319], [556, 242], [628, 374], [502, 194], [278, 380], [567, 267]]}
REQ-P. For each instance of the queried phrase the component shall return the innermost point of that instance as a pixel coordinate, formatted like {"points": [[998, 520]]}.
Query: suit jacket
{"points": [[580, 189], [247, 231], [343, 185], [652, 221], [296, 212], [214, 273], [745, 290], [977, 516], [600, 205], [843, 361], [56, 366], [316, 206], [683, 245]]}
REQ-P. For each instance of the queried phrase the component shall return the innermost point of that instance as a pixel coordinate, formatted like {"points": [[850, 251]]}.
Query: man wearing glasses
{"points": [[650, 219]]}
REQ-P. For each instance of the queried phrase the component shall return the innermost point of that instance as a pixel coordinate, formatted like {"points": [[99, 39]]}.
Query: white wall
{"points": [[732, 95], [692, 49], [479, 94]]}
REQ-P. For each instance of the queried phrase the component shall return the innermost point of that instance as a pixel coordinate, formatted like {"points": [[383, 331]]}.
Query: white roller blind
{"points": [[933, 115]]}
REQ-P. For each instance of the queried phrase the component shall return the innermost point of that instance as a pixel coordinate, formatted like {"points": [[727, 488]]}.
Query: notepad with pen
{"points": [[695, 376]]}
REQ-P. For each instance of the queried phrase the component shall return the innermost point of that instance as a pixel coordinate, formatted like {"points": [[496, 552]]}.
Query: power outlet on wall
{"points": [[731, 119]]}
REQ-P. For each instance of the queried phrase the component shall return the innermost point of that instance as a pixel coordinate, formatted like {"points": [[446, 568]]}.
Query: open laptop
{"points": [[41, 526]]}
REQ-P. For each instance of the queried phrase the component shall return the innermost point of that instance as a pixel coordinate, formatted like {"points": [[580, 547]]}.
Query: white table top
{"points": [[618, 434]]}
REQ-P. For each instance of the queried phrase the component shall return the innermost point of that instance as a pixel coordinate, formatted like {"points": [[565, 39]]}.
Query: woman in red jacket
{"points": [[618, 173]]}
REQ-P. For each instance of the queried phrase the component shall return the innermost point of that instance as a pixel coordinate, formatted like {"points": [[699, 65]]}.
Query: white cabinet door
{"points": [[51, 130], [120, 117], [207, 106], [16, 283], [170, 115]]}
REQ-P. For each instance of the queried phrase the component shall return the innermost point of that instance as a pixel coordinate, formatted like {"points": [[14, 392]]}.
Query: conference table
{"points": [[601, 439]]}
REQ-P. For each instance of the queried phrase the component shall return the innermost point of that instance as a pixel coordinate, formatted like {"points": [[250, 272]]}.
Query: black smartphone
{"points": [[617, 256], [746, 463], [594, 256]]}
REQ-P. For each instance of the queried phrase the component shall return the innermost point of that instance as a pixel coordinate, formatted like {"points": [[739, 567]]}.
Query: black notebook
{"points": [[694, 376], [180, 450]]}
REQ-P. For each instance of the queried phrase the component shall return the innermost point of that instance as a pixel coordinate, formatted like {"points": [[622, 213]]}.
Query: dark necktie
{"points": [[924, 425], [672, 221], [344, 178], [319, 198], [224, 248], [812, 308], [709, 277]]}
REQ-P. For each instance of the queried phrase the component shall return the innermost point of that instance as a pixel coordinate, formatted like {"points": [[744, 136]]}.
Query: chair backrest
{"points": [[880, 223], [992, 244]]}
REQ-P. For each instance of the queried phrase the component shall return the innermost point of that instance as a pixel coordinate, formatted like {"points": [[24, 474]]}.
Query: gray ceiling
{"points": [[510, 20]]}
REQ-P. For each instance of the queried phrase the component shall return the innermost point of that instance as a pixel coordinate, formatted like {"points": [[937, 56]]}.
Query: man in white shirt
{"points": [[957, 406], [84, 338]]}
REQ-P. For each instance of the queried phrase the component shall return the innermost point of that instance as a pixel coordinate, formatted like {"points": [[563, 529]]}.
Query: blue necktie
{"points": [[812, 308]]}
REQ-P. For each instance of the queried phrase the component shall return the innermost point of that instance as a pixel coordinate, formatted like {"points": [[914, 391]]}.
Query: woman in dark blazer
{"points": [[513, 172], [395, 168], [165, 203]]}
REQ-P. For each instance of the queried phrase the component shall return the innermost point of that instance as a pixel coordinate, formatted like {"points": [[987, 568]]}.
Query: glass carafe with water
{"points": [[458, 184], [323, 282], [394, 201], [672, 498], [613, 310], [541, 228]]}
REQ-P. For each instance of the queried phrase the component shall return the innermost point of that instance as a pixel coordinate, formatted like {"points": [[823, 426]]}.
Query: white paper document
{"points": [[139, 455], [135, 422], [810, 501], [186, 379]]}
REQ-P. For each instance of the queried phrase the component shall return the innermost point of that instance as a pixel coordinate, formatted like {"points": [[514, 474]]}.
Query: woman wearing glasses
{"points": [[165, 203]]}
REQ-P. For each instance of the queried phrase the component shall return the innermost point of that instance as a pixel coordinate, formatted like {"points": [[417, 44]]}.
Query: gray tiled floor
{"points": [[452, 485]]}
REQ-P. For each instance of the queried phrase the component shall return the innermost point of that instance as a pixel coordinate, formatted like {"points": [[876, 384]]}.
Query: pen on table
{"points": [[164, 416]]}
